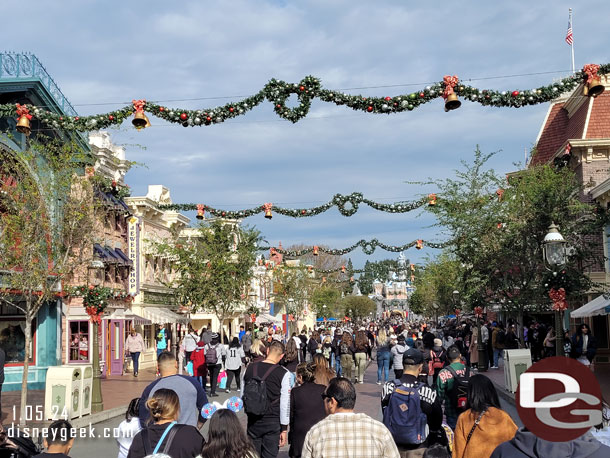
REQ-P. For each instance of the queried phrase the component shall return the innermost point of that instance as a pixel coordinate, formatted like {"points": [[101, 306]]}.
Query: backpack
{"points": [[326, 352], [435, 362], [458, 394], [211, 357], [344, 349], [501, 338], [403, 415], [255, 397]]}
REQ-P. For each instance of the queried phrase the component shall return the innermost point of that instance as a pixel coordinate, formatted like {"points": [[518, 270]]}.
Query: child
{"points": [[129, 427]]}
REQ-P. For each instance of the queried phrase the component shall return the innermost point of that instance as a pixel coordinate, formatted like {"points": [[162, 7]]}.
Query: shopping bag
{"points": [[189, 368], [222, 380]]}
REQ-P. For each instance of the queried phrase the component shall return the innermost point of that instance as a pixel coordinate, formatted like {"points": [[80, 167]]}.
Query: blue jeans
{"points": [[159, 351], [383, 364], [135, 357], [338, 369], [497, 355]]}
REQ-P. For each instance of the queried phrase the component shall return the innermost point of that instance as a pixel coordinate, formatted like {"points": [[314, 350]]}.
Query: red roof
{"points": [[560, 128]]}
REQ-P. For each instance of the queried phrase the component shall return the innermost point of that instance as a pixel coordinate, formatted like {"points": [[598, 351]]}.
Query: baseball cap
{"points": [[412, 357]]}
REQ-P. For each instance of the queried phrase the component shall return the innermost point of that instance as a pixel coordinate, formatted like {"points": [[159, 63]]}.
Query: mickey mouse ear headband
{"points": [[233, 403]]}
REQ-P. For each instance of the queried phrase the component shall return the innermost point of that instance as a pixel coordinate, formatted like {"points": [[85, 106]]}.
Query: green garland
{"points": [[95, 298], [277, 92], [368, 247], [105, 184], [347, 206]]}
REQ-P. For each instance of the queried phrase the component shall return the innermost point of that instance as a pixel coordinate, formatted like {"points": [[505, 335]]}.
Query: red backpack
{"points": [[435, 361]]}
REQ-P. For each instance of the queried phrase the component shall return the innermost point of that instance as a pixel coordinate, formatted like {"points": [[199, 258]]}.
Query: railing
{"points": [[26, 66]]}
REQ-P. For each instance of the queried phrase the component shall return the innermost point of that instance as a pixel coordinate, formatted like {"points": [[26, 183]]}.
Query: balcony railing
{"points": [[26, 66]]}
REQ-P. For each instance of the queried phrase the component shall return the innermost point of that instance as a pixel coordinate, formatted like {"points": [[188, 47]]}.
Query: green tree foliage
{"points": [[378, 270], [47, 226], [435, 284], [214, 268], [329, 297], [496, 226], [358, 307]]}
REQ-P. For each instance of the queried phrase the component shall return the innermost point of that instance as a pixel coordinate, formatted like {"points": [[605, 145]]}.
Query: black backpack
{"points": [[255, 397], [501, 337], [458, 395]]}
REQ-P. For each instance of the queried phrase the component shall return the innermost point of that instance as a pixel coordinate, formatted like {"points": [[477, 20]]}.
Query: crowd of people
{"points": [[300, 391]]}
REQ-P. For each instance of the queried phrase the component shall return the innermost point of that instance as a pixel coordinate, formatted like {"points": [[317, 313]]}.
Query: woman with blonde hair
{"points": [[322, 371], [164, 435], [383, 356], [258, 351]]}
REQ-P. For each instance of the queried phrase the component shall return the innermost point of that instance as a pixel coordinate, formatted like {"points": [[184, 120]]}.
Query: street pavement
{"points": [[367, 401]]}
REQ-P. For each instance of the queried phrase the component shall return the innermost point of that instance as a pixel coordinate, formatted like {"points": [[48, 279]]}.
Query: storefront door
{"points": [[116, 347]]}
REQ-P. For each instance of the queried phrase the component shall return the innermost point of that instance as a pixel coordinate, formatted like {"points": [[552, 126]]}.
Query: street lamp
{"points": [[554, 254], [95, 276]]}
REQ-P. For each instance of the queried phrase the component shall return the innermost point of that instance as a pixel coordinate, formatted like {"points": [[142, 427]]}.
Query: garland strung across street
{"points": [[347, 206], [368, 247], [277, 92]]}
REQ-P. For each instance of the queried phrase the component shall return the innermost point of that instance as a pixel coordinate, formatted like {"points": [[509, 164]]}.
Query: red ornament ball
{"points": [[395, 104], [278, 106], [110, 118], [61, 118], [76, 118], [231, 109], [388, 98], [161, 109], [303, 212], [369, 108], [184, 116], [302, 88], [208, 119], [224, 214], [422, 95], [515, 93]]}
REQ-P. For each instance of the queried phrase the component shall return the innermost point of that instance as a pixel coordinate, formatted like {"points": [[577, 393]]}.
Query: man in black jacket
{"points": [[430, 403], [336, 349]]}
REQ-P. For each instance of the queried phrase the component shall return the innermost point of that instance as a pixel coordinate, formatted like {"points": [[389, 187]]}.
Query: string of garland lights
{"points": [[368, 247], [346, 204], [277, 92]]}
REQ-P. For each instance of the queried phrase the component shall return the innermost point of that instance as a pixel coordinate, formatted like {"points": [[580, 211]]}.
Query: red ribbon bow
{"points": [[450, 83], [267, 206], [568, 149], [591, 71], [22, 110], [138, 105], [478, 312], [559, 299], [500, 194]]}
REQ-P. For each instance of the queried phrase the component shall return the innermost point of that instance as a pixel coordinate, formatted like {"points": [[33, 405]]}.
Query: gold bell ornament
{"points": [[593, 83], [140, 120], [315, 250], [267, 208], [451, 99], [23, 125], [200, 211], [452, 102]]}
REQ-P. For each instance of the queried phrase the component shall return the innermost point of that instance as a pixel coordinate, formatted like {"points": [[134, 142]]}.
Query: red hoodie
{"points": [[198, 358]]}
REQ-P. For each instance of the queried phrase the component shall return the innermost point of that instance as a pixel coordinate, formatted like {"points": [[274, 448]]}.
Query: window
{"points": [[79, 341], [147, 335], [12, 335], [600, 330], [109, 277]]}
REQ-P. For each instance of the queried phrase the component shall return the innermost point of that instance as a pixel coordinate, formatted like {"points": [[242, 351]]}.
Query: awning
{"points": [[159, 315], [113, 202], [593, 308], [122, 255], [103, 254], [266, 318], [116, 259]]}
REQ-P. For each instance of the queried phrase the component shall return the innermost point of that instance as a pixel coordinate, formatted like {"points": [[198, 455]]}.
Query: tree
{"points": [[358, 307], [47, 225], [291, 289], [434, 284], [213, 267], [379, 270], [496, 226], [327, 302]]}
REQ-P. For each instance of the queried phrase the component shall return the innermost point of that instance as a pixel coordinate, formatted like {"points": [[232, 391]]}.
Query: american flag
{"points": [[569, 37]]}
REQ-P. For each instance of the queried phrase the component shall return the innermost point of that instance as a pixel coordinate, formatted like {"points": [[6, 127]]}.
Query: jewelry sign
{"points": [[133, 234]]}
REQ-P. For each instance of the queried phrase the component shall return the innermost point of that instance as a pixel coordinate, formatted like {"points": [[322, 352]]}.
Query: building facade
{"points": [[392, 294]]}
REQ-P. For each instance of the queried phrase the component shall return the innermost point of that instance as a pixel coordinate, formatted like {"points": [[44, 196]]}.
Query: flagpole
{"points": [[572, 45]]}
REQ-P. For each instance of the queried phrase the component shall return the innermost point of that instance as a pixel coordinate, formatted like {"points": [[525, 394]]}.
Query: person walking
{"points": [[346, 348], [498, 340], [166, 435], [584, 345], [362, 349], [200, 370], [128, 428], [383, 356], [437, 357], [306, 407], [452, 385], [397, 352], [214, 354], [336, 347], [266, 395], [323, 373], [134, 345], [246, 343], [484, 426], [412, 409], [162, 340], [549, 343], [303, 339], [235, 358], [190, 343], [474, 348], [344, 433], [291, 358], [226, 437], [314, 345], [191, 395]]}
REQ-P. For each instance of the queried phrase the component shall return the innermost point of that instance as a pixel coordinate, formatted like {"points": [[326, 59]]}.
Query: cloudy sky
{"points": [[104, 54]]}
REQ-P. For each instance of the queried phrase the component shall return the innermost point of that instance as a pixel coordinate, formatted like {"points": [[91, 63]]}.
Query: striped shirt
{"points": [[349, 435]]}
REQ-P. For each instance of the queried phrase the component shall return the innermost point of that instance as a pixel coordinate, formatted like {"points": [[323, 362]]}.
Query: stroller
{"points": [[17, 447]]}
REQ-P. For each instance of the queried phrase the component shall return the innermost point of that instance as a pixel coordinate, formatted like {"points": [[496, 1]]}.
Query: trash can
{"points": [[63, 392], [85, 387], [516, 362]]}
